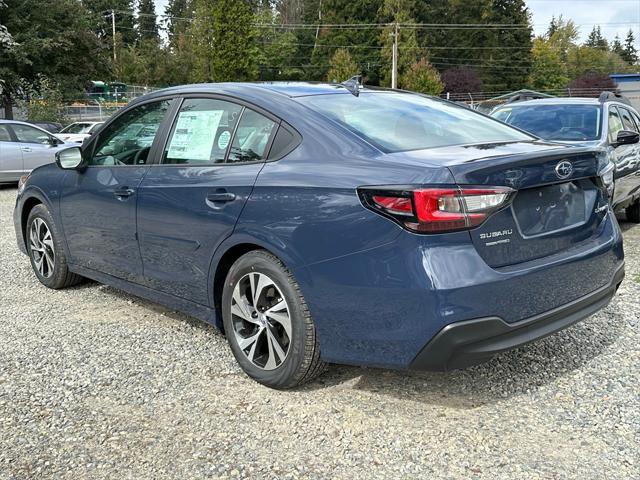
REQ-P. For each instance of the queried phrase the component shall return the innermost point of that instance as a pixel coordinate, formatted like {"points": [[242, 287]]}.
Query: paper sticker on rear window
{"points": [[194, 135]]}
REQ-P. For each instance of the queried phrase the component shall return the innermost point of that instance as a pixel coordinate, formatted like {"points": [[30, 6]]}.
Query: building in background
{"points": [[629, 85]]}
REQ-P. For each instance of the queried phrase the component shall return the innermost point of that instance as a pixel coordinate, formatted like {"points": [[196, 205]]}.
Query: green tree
{"points": [[44, 103], [548, 71], [504, 56], [596, 40], [224, 41], [101, 19], [397, 12], [422, 77], [177, 20], [616, 46], [58, 41], [278, 53], [342, 66], [564, 36], [362, 43], [147, 25], [583, 60], [630, 53]]}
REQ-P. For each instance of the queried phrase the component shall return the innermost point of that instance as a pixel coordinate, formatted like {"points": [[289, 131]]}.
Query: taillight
{"points": [[436, 210]]}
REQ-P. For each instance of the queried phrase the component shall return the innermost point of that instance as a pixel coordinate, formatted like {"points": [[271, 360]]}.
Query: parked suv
{"points": [[610, 123], [320, 223]]}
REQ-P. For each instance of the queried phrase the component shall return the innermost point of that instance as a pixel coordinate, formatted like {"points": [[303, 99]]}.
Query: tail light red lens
{"points": [[436, 210]]}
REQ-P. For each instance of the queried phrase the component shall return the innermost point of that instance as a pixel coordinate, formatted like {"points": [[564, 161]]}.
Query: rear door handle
{"points": [[25, 149], [221, 197], [124, 192]]}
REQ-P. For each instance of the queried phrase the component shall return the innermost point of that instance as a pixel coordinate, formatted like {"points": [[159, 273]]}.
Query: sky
{"points": [[614, 16]]}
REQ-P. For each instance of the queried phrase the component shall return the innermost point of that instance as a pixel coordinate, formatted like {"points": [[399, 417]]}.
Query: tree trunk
{"points": [[8, 106]]}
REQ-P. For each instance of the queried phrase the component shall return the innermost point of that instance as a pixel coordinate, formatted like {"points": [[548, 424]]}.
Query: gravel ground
{"points": [[97, 384]]}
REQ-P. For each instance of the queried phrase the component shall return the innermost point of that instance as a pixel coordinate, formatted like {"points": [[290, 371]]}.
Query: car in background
{"points": [[319, 223], [78, 131], [23, 147], [51, 127], [609, 123]]}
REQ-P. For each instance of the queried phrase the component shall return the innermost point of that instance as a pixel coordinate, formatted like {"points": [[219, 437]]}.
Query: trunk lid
{"points": [[559, 201]]}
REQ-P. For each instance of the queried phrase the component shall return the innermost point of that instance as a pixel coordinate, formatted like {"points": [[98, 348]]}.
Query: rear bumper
{"points": [[470, 342]]}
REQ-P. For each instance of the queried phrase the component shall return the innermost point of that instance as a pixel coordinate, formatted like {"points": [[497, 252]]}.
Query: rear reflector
{"points": [[436, 210]]}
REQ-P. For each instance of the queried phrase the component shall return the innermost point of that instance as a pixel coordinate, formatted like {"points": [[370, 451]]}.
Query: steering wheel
{"points": [[136, 158]]}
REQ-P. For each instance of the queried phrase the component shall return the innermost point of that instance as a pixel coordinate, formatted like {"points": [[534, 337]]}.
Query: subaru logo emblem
{"points": [[564, 169]]}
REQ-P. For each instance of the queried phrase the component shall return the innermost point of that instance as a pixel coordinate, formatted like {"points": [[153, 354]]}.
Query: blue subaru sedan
{"points": [[325, 223]]}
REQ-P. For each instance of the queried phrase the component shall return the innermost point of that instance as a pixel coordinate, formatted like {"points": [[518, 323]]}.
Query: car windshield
{"points": [[77, 128], [569, 123], [396, 121]]}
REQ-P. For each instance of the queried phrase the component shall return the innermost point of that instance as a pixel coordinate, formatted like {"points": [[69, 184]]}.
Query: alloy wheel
{"points": [[42, 249], [261, 321]]}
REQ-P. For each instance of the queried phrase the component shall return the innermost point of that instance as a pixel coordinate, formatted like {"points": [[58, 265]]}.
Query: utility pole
{"points": [[394, 57], [113, 32]]}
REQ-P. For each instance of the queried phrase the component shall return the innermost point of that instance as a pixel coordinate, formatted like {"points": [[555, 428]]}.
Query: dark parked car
{"points": [[51, 127], [609, 122], [322, 223]]}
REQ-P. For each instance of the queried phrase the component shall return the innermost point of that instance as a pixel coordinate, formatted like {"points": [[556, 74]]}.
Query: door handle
{"points": [[25, 149], [124, 192], [220, 197]]}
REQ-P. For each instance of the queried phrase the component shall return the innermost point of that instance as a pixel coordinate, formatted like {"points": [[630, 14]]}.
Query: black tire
{"points": [[59, 276], [302, 362], [633, 212]]}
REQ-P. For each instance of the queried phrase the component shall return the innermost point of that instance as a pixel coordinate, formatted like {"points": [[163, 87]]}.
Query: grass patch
{"points": [[636, 279]]}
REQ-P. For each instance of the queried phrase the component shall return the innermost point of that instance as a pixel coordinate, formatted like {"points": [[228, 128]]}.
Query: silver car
{"points": [[24, 147]]}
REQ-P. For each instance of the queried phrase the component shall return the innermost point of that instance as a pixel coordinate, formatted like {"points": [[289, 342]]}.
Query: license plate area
{"points": [[553, 208]]}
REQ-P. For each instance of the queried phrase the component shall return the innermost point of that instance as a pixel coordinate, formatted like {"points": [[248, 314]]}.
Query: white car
{"points": [[78, 131], [24, 147]]}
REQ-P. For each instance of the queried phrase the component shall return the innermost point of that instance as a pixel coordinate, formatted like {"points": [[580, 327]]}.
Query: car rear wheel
{"points": [[633, 212], [268, 324], [45, 251]]}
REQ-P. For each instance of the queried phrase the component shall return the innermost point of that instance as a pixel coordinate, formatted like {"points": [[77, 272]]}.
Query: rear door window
{"points": [[202, 132], [252, 138]]}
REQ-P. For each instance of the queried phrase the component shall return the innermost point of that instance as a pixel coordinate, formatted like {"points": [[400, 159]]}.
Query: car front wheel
{"points": [[45, 250], [268, 324]]}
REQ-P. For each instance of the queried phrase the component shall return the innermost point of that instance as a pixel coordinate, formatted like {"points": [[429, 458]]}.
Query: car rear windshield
{"points": [[77, 128], [397, 121], [569, 123]]}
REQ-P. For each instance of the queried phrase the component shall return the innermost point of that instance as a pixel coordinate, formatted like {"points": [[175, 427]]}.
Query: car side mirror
{"points": [[69, 158], [627, 137]]}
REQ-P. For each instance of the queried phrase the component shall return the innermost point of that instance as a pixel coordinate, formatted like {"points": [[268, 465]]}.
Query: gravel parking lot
{"points": [[98, 384]]}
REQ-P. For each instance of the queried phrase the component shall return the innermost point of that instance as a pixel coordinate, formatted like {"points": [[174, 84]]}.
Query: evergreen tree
{"points": [[553, 26], [507, 72], [124, 16], [342, 66], [177, 20], [617, 47], [630, 53], [224, 41], [362, 42], [147, 25], [397, 12], [596, 40]]}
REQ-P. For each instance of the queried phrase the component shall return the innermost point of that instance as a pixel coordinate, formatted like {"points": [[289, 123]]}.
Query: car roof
{"points": [[254, 89], [19, 122], [556, 101]]}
